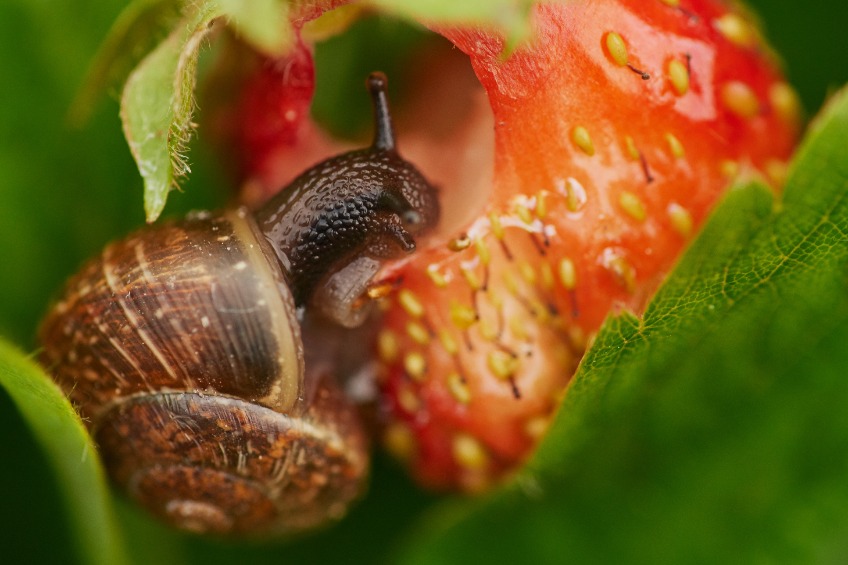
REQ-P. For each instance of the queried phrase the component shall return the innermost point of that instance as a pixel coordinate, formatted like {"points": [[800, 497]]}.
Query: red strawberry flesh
{"points": [[601, 176], [616, 129]]}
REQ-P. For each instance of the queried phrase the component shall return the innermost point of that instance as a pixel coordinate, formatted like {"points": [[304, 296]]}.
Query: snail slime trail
{"points": [[181, 345]]}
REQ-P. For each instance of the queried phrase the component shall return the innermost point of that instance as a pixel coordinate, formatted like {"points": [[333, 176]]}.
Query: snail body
{"points": [[181, 345]]}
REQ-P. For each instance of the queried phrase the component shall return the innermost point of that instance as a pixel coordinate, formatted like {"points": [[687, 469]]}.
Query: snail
{"points": [[181, 345]]}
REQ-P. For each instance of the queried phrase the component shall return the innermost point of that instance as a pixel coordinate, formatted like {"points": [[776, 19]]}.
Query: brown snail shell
{"points": [[181, 346], [200, 311]]}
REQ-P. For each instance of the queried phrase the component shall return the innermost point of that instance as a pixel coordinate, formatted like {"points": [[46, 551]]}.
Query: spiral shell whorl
{"points": [[214, 464], [193, 305], [181, 349]]}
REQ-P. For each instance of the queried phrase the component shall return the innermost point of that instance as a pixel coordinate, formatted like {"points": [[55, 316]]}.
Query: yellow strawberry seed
{"points": [[617, 48], [740, 99], [463, 317], [681, 219], [459, 243], [459, 388], [580, 137], [567, 273], [438, 278], [410, 303], [502, 364], [448, 342], [482, 250], [415, 365], [418, 333], [523, 213], [387, 346], [497, 228], [736, 30], [675, 146], [786, 103], [678, 76], [542, 204], [469, 453], [632, 206]]}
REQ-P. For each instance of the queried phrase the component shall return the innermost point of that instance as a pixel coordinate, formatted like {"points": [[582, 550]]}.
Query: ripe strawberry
{"points": [[616, 131]]}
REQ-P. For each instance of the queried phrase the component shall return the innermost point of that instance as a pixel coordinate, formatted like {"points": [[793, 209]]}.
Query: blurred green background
{"points": [[65, 191]]}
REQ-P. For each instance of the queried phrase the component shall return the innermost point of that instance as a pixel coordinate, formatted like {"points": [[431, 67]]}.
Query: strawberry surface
{"points": [[616, 130]]}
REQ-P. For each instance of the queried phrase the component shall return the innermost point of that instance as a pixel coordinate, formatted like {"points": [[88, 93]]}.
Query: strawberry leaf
{"points": [[158, 98], [157, 105], [714, 426], [71, 454]]}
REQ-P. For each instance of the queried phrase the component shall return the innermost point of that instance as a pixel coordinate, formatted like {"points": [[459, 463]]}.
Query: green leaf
{"points": [[157, 106], [262, 23], [70, 452], [158, 98], [713, 429]]}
